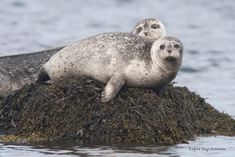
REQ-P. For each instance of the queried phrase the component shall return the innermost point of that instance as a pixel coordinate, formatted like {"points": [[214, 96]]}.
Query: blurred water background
{"points": [[206, 28]]}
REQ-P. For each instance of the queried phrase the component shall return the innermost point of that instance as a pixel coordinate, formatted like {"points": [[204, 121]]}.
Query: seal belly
{"points": [[103, 72], [138, 73]]}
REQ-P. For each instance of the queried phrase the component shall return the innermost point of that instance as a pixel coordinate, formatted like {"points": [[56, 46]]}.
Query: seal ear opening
{"points": [[42, 76]]}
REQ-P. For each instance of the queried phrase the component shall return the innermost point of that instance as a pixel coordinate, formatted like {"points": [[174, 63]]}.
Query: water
{"points": [[207, 29], [202, 147]]}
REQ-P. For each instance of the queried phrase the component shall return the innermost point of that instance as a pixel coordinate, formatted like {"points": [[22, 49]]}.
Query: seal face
{"points": [[117, 59], [150, 28]]}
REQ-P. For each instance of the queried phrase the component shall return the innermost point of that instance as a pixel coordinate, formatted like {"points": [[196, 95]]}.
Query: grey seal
{"points": [[150, 28], [117, 59], [18, 70]]}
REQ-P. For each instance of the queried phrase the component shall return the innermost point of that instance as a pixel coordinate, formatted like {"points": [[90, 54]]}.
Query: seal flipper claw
{"points": [[112, 88]]}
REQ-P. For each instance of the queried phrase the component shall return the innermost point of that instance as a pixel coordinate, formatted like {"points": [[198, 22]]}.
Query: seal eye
{"points": [[155, 26], [176, 46], [139, 29], [162, 47]]}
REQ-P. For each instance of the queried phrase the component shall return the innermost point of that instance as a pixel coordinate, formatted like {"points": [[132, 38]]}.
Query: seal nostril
{"points": [[146, 33], [169, 51]]}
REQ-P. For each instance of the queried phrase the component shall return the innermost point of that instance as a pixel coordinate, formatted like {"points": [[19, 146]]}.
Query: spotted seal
{"points": [[15, 74], [150, 28], [117, 59]]}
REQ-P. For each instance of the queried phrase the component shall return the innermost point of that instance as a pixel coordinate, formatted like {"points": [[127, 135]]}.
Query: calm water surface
{"points": [[207, 29]]}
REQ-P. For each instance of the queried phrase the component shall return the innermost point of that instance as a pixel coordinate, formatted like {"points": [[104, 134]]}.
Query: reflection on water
{"points": [[202, 147], [207, 29], [13, 150]]}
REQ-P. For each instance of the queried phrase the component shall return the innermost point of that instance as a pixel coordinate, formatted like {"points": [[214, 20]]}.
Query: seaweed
{"points": [[73, 108]]}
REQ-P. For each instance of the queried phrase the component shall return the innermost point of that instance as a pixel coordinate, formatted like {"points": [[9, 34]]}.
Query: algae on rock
{"points": [[73, 108]]}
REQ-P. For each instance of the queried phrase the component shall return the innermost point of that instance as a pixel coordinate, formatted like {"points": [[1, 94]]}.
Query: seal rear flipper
{"points": [[112, 88], [42, 76]]}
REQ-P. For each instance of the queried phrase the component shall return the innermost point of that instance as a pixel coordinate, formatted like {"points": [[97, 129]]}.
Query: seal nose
{"points": [[169, 51], [146, 33]]}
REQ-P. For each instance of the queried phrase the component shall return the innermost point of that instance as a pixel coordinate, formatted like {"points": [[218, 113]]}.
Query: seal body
{"points": [[18, 70], [114, 59]]}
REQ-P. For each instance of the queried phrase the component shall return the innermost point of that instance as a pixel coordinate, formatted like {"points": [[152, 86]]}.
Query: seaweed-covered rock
{"points": [[74, 109]]}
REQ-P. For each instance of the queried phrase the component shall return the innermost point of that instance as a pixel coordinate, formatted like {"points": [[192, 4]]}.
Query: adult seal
{"points": [[150, 28], [117, 59], [19, 70]]}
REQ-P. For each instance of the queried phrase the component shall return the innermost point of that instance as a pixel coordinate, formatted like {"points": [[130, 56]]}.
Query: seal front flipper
{"points": [[112, 88], [42, 76]]}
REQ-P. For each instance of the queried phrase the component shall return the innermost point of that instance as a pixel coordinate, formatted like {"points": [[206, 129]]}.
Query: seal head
{"points": [[150, 28], [168, 53]]}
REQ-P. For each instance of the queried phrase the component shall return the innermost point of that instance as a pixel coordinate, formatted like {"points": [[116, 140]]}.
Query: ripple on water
{"points": [[214, 52], [193, 52], [214, 62], [190, 69], [193, 26], [19, 4]]}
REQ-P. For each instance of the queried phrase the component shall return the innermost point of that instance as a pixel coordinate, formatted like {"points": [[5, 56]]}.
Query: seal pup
{"points": [[117, 59], [150, 28]]}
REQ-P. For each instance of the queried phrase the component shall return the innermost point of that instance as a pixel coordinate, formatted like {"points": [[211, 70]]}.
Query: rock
{"points": [[73, 108]]}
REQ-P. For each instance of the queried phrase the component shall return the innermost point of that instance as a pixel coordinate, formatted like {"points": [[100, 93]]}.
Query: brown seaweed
{"points": [[73, 108]]}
